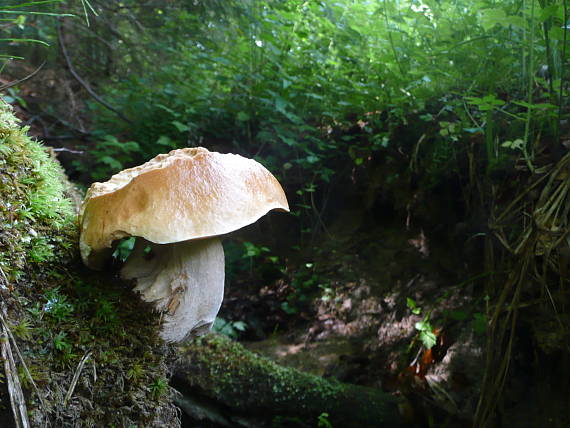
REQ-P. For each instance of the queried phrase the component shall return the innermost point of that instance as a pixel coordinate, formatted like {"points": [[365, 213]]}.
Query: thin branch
{"points": [[29, 76], [64, 149], [63, 137], [83, 82], [24, 365], [17, 400]]}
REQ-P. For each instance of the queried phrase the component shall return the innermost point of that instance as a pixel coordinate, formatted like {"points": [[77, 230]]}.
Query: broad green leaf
{"points": [[537, 106], [428, 339], [515, 21], [492, 17], [551, 11], [557, 33]]}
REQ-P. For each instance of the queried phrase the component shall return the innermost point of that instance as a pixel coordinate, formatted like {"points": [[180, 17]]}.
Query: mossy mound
{"points": [[67, 321], [37, 218]]}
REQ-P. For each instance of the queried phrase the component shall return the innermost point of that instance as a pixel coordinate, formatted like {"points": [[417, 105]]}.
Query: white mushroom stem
{"points": [[184, 280]]}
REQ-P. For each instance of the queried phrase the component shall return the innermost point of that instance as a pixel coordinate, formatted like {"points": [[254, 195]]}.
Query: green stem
{"points": [[562, 69], [392, 46], [528, 150]]}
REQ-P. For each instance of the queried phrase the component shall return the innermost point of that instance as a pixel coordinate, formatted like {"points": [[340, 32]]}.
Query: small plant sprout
{"points": [[158, 388]]}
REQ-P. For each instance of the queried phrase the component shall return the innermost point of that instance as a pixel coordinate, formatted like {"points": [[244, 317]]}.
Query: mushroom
{"points": [[177, 205]]}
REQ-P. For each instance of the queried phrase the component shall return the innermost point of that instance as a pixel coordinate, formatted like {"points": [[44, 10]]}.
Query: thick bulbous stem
{"points": [[184, 280]]}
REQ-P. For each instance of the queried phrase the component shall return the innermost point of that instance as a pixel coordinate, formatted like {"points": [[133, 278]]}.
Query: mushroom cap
{"points": [[186, 194]]}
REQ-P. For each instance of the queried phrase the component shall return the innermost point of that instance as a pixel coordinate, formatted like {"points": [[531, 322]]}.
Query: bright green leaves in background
{"points": [[284, 80], [274, 75]]}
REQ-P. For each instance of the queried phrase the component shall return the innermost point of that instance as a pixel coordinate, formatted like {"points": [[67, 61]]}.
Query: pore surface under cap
{"points": [[186, 194]]}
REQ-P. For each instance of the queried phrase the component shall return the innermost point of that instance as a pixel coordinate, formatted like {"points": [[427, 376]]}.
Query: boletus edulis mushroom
{"points": [[177, 205]]}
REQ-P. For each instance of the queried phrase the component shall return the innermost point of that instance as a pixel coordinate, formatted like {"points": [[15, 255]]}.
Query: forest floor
{"points": [[376, 282], [380, 284]]}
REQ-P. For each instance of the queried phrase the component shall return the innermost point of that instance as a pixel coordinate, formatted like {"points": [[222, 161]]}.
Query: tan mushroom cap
{"points": [[186, 194]]}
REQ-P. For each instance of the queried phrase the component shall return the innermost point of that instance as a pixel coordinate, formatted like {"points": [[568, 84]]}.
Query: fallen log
{"points": [[242, 383]]}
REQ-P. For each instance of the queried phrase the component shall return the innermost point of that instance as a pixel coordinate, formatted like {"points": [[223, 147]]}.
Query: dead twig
{"points": [[4, 284], [24, 365], [83, 82], [63, 149], [17, 399], [29, 76], [76, 377]]}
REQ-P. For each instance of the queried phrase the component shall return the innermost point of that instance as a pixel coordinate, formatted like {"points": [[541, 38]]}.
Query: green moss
{"points": [[226, 358], [35, 216]]}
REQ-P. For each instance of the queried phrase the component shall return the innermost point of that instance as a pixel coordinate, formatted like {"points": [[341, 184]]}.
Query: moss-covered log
{"points": [[248, 384]]}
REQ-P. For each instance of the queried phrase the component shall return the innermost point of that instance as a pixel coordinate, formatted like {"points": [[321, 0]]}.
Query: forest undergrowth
{"points": [[423, 146]]}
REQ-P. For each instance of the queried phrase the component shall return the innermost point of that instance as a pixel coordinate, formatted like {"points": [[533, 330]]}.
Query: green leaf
{"points": [[289, 141], [113, 163], [180, 126], [25, 41], [423, 326], [33, 3], [163, 140], [288, 309], [312, 159], [517, 144], [428, 339], [515, 21], [239, 325], [479, 323], [280, 104], [243, 116], [556, 33], [492, 17], [551, 11], [473, 130], [21, 12], [130, 146], [544, 106], [411, 303]]}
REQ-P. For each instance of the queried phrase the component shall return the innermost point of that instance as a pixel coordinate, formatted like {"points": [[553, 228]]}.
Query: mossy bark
{"points": [[249, 384]]}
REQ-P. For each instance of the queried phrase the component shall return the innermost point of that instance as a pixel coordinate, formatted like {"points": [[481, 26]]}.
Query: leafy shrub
{"points": [[107, 156]]}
